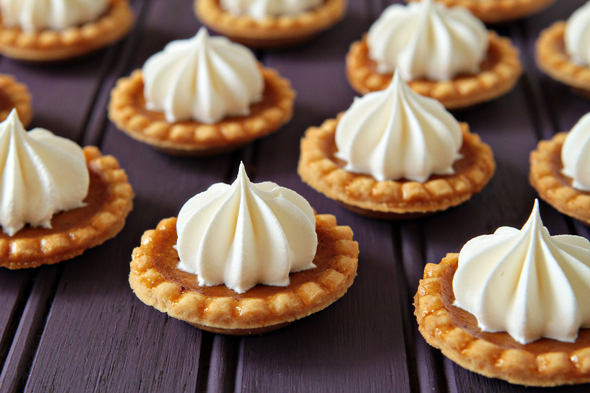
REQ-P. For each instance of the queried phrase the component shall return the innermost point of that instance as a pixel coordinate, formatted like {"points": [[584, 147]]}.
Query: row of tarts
{"points": [[248, 258]]}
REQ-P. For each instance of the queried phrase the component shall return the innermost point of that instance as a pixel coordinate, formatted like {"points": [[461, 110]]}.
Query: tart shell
{"points": [[497, 11], [271, 32], [54, 45], [553, 187], [127, 110], [15, 95], [392, 199], [455, 332], [109, 201], [157, 282], [499, 73], [555, 62]]}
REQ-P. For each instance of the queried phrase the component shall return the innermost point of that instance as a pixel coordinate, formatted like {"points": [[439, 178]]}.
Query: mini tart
{"points": [[109, 201], [53, 45], [555, 62], [455, 332], [392, 199], [15, 95], [127, 110], [496, 11], [271, 32], [554, 187], [499, 73], [158, 282]]}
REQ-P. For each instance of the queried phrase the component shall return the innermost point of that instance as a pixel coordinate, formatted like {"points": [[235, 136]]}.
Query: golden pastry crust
{"points": [[54, 45], [109, 201], [127, 110], [496, 11], [555, 62], [157, 282], [554, 187], [392, 199], [271, 32], [454, 331], [14, 95], [499, 73]]}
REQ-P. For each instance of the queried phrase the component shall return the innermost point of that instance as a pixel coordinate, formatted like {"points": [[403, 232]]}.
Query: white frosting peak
{"points": [[35, 15], [577, 35], [427, 40], [575, 154], [259, 9], [244, 234], [526, 282], [40, 174], [397, 133], [203, 78]]}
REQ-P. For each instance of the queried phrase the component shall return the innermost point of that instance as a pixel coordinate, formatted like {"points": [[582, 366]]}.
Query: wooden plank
{"points": [[356, 344], [119, 344], [223, 364], [428, 361], [15, 287], [15, 371], [63, 95]]}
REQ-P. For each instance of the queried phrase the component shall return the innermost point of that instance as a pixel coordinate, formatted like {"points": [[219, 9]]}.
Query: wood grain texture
{"points": [[78, 327], [16, 369], [14, 292]]}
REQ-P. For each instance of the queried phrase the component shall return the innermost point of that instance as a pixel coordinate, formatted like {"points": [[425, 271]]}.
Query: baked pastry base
{"points": [[555, 62], [14, 95], [53, 45], [271, 32], [497, 11], [499, 73], [554, 187], [127, 110], [455, 332], [109, 201], [392, 199], [157, 282]]}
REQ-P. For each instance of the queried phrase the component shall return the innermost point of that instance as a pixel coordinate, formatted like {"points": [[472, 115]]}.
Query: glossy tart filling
{"points": [[544, 362], [108, 203], [552, 185], [53, 45], [499, 73], [391, 199], [273, 31], [157, 281], [127, 110]]}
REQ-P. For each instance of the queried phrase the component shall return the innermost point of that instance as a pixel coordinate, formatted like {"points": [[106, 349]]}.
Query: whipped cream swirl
{"points": [[526, 282], [427, 40], [40, 175], [575, 154], [397, 133], [203, 78], [577, 35], [245, 234], [260, 9], [36, 15]]}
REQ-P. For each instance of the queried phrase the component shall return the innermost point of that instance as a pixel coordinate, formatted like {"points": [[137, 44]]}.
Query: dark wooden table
{"points": [[77, 326]]}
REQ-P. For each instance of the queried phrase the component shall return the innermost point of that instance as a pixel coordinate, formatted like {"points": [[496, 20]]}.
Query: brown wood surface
{"points": [[77, 326]]}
